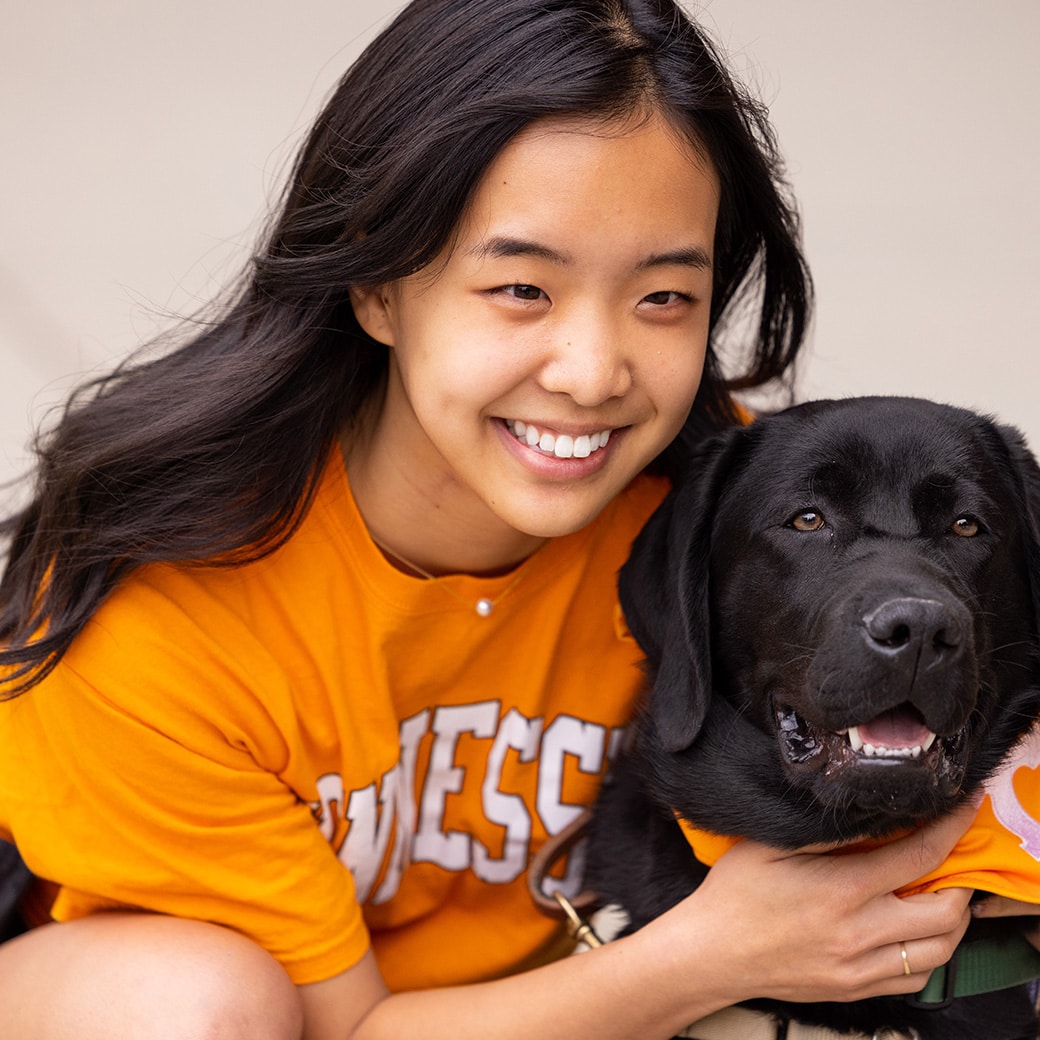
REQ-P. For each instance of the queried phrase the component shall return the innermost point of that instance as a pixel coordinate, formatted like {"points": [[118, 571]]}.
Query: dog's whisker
{"points": [[1011, 645]]}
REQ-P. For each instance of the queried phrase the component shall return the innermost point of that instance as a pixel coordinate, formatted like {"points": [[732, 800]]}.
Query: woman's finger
{"points": [[1002, 906], [939, 913], [901, 862], [906, 967]]}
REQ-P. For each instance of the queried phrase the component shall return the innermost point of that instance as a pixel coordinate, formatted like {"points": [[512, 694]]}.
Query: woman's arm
{"points": [[795, 926]]}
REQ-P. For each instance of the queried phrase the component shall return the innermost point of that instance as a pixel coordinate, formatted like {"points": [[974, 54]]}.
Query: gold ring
{"points": [[906, 960]]}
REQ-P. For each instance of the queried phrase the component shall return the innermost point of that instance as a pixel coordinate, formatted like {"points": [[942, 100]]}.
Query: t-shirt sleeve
{"points": [[148, 773]]}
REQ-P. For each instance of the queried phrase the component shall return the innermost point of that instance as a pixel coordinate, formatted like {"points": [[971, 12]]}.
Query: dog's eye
{"points": [[966, 526], [807, 520]]}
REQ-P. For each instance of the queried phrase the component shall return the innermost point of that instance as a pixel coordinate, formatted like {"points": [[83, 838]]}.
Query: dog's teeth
{"points": [[887, 752], [859, 746]]}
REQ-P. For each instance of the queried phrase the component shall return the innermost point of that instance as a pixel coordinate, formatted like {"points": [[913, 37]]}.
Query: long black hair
{"points": [[211, 451]]}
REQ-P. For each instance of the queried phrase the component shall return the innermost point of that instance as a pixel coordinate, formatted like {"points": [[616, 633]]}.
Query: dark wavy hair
{"points": [[210, 452]]}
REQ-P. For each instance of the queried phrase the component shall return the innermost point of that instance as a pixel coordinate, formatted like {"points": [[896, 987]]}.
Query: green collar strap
{"points": [[980, 966]]}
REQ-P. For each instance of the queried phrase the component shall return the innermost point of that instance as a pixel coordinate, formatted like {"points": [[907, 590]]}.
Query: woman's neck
{"points": [[423, 520]]}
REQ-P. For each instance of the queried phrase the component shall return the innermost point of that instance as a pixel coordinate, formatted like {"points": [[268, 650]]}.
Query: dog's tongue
{"points": [[897, 728]]}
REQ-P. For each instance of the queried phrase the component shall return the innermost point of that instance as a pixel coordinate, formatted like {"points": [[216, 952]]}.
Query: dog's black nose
{"points": [[913, 627]]}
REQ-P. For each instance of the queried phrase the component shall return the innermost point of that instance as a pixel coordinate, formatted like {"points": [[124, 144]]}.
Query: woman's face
{"points": [[555, 348]]}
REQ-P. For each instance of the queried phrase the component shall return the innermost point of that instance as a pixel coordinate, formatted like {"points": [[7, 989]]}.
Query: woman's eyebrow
{"points": [[692, 256], [504, 246]]}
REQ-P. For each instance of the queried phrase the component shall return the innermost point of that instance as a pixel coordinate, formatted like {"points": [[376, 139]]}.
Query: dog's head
{"points": [[839, 608]]}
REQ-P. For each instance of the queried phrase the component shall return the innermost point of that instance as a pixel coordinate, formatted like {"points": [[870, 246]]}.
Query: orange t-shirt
{"points": [[327, 754], [1000, 853]]}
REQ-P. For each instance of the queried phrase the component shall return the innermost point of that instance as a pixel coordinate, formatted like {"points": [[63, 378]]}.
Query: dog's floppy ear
{"points": [[664, 593], [1026, 474]]}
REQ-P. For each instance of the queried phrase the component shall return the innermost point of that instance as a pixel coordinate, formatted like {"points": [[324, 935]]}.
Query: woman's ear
{"points": [[373, 310]]}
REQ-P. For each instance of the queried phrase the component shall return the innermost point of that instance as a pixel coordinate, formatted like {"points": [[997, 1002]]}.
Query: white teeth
{"points": [[858, 745], [562, 445]]}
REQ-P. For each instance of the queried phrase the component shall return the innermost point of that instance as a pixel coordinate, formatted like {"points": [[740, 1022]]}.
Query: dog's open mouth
{"points": [[898, 736], [899, 733]]}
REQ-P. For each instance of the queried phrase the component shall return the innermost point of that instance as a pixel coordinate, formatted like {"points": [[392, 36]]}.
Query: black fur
{"points": [[757, 624]]}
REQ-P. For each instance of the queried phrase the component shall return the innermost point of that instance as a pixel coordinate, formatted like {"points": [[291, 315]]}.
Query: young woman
{"points": [[311, 620]]}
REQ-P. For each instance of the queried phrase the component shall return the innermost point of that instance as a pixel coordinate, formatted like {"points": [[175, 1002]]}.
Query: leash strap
{"points": [[540, 885], [980, 966]]}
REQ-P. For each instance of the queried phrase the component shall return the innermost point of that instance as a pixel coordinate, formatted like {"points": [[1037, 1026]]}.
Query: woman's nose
{"points": [[588, 362]]}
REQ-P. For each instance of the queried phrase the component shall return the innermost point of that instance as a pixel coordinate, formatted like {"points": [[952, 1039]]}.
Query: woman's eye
{"points": [[966, 526], [527, 293], [664, 298], [807, 520]]}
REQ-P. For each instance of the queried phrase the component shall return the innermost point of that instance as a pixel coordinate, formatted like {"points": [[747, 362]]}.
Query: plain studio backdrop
{"points": [[143, 144]]}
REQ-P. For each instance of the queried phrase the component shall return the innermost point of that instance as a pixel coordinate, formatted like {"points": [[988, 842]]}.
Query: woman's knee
{"points": [[116, 975]]}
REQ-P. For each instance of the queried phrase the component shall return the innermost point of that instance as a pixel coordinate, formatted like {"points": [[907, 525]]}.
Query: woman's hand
{"points": [[1001, 906], [826, 925]]}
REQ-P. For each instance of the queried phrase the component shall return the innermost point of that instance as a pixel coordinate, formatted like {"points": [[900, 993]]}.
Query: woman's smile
{"points": [[560, 445], [552, 455]]}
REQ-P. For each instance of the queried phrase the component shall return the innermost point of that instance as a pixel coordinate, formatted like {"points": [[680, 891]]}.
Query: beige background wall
{"points": [[141, 141]]}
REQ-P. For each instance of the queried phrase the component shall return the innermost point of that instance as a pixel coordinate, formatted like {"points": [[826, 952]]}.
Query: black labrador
{"points": [[839, 611]]}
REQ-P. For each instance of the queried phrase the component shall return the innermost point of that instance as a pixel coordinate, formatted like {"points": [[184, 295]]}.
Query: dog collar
{"points": [[980, 966]]}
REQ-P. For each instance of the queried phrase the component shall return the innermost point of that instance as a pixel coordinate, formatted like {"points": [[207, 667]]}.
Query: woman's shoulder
{"points": [[206, 626], [215, 595]]}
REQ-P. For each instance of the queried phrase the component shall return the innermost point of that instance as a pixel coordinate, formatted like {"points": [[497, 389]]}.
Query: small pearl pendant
{"points": [[484, 607]]}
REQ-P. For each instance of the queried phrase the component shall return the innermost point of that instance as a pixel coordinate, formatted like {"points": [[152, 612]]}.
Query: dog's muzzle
{"points": [[882, 717]]}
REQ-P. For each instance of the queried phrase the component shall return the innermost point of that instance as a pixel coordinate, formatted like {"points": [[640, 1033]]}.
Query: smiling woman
{"points": [[568, 304]]}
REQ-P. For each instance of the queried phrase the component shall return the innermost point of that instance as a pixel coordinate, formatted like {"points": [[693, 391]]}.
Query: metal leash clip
{"points": [[580, 929]]}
